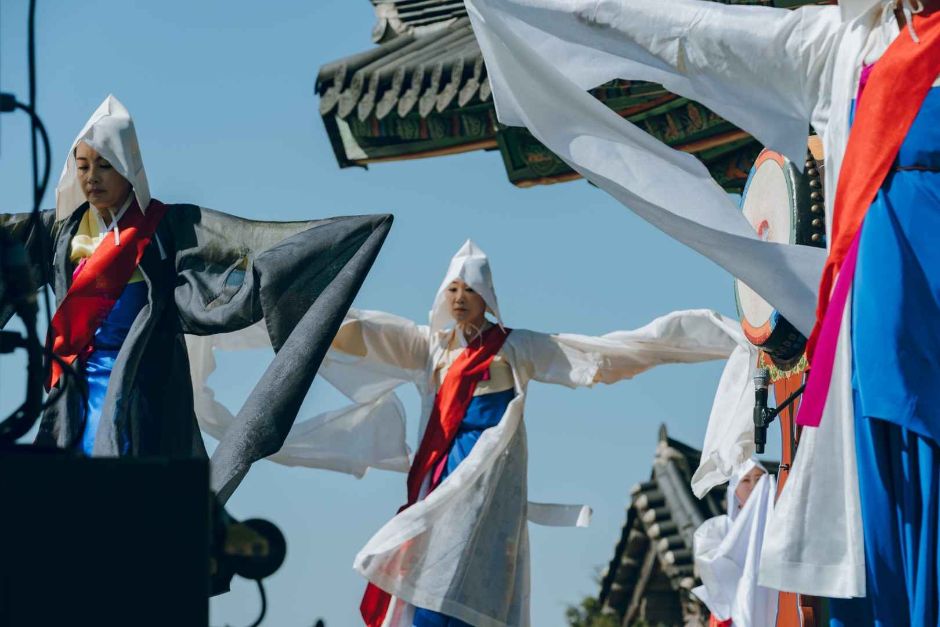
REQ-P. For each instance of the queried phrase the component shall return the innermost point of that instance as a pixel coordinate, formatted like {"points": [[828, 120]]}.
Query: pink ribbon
{"points": [[820, 369]]}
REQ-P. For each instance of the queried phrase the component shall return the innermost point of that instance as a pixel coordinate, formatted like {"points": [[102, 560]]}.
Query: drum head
{"points": [[778, 201]]}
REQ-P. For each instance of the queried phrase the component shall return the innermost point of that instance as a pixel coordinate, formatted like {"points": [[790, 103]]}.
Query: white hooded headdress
{"points": [[727, 555], [110, 131], [472, 266], [743, 469]]}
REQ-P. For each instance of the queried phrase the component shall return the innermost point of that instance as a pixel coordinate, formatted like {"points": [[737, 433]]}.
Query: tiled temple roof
{"points": [[423, 91], [652, 573]]}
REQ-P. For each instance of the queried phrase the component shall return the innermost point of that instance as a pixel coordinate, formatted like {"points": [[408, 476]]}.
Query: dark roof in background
{"points": [[424, 92], [653, 560], [395, 17]]}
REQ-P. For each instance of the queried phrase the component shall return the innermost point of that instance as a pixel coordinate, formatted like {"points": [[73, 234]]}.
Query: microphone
{"points": [[761, 381]]}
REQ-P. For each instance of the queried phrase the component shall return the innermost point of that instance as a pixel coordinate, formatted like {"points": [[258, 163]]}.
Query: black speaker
{"points": [[103, 541]]}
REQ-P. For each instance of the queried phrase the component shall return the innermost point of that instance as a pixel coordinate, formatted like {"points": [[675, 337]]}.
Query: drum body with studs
{"points": [[787, 207]]}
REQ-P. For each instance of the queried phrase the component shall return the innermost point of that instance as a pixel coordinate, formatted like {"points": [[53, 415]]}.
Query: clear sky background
{"points": [[222, 96]]}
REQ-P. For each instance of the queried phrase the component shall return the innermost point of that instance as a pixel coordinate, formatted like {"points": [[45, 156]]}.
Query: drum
{"points": [[787, 207]]}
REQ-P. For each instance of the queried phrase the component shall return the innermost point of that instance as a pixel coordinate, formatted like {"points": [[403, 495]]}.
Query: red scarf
{"points": [[893, 96], [450, 407], [99, 284]]}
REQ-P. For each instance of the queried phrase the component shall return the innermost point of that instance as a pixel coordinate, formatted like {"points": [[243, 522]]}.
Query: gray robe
{"points": [[209, 272]]}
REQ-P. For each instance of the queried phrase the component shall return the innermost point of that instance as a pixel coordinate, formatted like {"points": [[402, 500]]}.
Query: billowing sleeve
{"points": [[374, 337], [748, 64], [579, 360], [300, 278], [679, 337], [38, 243], [758, 67]]}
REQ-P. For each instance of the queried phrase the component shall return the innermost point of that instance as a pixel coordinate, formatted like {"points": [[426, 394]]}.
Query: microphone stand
{"points": [[764, 415]]}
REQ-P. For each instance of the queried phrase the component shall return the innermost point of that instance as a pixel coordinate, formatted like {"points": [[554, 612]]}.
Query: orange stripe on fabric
{"points": [[898, 85]]}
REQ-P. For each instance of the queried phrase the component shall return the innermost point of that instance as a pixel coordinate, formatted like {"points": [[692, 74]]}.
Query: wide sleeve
{"points": [[38, 242], [542, 55], [679, 337], [300, 278], [758, 67], [579, 360], [385, 339]]}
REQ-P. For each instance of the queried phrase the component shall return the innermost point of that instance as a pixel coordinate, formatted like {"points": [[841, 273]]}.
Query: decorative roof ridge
{"points": [[417, 17]]}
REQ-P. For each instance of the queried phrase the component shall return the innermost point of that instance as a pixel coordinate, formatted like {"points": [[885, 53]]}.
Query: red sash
{"points": [[450, 407], [893, 96], [99, 284]]}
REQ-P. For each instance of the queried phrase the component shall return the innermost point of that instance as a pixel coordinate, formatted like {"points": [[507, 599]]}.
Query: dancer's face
{"points": [[746, 485], [103, 187], [465, 305]]}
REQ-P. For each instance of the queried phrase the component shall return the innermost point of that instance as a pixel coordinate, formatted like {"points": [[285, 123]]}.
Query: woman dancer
{"points": [[457, 552], [866, 75], [131, 275], [727, 553]]}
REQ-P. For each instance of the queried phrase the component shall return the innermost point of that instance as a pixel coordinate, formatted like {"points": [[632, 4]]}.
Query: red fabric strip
{"points": [[99, 284], [450, 407], [893, 95]]}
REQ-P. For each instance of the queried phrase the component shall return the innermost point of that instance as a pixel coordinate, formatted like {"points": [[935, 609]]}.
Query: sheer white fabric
{"points": [[434, 554], [541, 55], [369, 433], [773, 73], [463, 550], [727, 559]]}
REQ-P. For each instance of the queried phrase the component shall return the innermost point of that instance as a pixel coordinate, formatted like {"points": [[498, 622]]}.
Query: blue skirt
{"points": [[483, 412], [896, 346], [109, 338]]}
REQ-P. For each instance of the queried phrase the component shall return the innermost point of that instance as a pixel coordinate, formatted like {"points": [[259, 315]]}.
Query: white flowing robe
{"points": [[772, 72], [463, 550], [728, 555]]}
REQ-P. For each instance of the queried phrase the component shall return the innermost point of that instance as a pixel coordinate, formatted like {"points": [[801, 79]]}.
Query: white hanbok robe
{"points": [[463, 550], [773, 72], [728, 553]]}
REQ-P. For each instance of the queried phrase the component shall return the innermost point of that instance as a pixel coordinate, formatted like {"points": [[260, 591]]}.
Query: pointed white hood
{"points": [[472, 266], [743, 469], [110, 131]]}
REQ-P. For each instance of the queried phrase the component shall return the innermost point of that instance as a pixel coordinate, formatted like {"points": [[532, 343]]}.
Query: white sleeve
{"points": [[758, 67], [391, 341], [579, 360], [679, 337], [541, 55]]}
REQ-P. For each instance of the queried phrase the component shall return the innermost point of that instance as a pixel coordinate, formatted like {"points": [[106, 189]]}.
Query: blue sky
{"points": [[222, 95]]}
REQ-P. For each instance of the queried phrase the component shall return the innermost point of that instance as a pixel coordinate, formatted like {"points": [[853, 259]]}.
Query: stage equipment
{"points": [[18, 296], [119, 541], [787, 207], [103, 541], [764, 415]]}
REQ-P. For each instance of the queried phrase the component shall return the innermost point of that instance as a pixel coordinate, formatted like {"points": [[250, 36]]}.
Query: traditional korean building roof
{"points": [[423, 91], [651, 573]]}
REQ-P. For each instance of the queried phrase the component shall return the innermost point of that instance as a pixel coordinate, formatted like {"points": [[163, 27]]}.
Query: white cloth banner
{"points": [[772, 72], [541, 55]]}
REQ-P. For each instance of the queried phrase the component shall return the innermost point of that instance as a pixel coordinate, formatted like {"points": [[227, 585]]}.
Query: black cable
{"points": [[40, 186], [264, 603], [39, 191], [31, 61]]}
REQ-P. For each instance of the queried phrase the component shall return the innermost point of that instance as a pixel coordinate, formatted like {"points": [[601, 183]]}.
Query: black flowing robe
{"points": [[209, 272]]}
